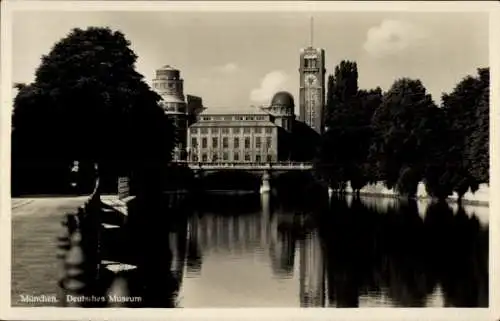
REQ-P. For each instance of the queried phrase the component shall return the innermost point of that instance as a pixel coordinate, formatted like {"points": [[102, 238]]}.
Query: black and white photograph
{"points": [[299, 156]]}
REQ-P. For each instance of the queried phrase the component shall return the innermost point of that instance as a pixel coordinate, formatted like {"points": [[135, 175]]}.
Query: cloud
{"points": [[392, 37], [228, 68], [271, 83]]}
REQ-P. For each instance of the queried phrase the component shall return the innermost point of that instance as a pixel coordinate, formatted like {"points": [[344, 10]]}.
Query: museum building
{"points": [[252, 134]]}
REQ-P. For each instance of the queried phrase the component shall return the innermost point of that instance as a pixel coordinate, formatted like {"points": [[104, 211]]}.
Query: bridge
{"points": [[264, 168], [248, 166]]}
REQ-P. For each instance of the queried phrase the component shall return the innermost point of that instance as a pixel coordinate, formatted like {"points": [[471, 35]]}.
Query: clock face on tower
{"points": [[311, 80]]}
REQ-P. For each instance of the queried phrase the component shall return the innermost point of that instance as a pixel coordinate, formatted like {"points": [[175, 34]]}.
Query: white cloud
{"points": [[271, 83], [228, 68], [392, 37]]}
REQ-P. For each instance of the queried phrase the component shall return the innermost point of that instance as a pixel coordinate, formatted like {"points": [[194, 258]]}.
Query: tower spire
{"points": [[312, 31]]}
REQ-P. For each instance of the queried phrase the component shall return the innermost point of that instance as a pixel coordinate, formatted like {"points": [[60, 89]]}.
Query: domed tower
{"points": [[170, 86], [282, 108]]}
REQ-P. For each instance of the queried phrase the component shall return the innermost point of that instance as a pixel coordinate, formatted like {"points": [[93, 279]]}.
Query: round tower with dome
{"points": [[170, 86], [283, 110]]}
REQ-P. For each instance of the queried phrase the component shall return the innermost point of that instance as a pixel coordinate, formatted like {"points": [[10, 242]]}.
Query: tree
{"points": [[362, 169], [344, 151], [342, 87], [479, 140], [95, 107], [466, 109], [334, 151], [403, 134]]}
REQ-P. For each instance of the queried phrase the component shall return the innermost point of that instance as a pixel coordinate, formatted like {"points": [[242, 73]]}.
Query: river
{"points": [[257, 251]]}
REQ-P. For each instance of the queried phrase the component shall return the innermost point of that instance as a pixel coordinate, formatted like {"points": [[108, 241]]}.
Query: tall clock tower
{"points": [[312, 87]]}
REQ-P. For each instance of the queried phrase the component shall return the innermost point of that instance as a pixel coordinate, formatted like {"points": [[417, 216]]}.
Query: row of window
{"points": [[164, 85], [260, 117], [310, 63], [235, 130], [236, 142], [179, 109], [247, 157]]}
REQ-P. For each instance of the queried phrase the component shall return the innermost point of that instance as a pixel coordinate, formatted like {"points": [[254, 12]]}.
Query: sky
{"points": [[237, 59]]}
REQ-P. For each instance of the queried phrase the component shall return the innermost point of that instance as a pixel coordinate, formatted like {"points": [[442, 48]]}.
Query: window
{"points": [[215, 130], [225, 156], [258, 130], [257, 158], [269, 158], [204, 142], [194, 142], [236, 130], [247, 142], [225, 130], [225, 142], [246, 130], [269, 130], [204, 157], [194, 130], [258, 143], [247, 157], [236, 156], [214, 157], [195, 158], [204, 130], [215, 142], [236, 142], [269, 142]]}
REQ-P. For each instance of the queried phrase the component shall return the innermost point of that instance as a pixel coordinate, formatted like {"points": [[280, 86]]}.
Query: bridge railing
{"points": [[304, 165]]}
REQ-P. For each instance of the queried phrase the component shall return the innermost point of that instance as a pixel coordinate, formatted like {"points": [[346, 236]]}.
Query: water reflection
{"points": [[254, 251]]}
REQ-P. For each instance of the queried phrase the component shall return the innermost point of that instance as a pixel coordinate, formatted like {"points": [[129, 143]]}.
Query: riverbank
{"points": [[480, 198]]}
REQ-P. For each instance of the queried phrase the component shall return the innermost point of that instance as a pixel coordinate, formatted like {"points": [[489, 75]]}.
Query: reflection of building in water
{"points": [[194, 257], [269, 232], [177, 242], [245, 233], [312, 272], [230, 233], [282, 245]]}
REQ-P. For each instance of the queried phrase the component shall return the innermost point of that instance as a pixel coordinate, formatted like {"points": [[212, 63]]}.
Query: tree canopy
{"points": [[401, 137], [88, 103]]}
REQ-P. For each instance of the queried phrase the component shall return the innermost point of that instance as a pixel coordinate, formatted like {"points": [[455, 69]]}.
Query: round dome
{"points": [[168, 67], [168, 72], [283, 99]]}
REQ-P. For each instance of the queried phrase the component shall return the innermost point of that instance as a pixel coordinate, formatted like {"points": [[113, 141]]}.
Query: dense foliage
{"points": [[401, 137], [87, 104]]}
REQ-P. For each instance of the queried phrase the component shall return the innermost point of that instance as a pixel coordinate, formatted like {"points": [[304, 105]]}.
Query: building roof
{"points": [[170, 99], [168, 67], [234, 123], [282, 98], [234, 111]]}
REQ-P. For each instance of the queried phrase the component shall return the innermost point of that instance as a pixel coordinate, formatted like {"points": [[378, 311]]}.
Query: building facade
{"points": [[253, 134], [170, 86], [312, 87], [243, 135]]}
